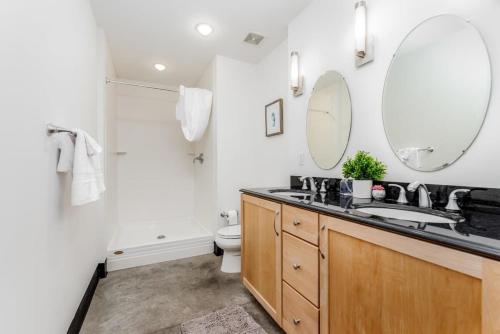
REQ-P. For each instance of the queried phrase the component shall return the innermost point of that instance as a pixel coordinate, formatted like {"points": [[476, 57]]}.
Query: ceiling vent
{"points": [[253, 38]]}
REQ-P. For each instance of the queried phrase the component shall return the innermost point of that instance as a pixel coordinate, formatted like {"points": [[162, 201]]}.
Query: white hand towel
{"points": [[193, 110], [88, 178], [66, 147], [410, 155]]}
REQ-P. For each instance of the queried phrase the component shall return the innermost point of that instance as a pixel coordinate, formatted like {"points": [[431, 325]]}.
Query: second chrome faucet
{"points": [[424, 196]]}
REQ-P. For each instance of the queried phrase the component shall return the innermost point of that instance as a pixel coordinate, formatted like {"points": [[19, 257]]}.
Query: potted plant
{"points": [[363, 169]]}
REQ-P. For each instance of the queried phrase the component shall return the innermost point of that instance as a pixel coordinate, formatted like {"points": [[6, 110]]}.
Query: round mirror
{"points": [[328, 120], [436, 93]]}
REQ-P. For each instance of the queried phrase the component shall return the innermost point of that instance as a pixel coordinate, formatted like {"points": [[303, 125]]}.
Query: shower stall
{"points": [[156, 171]]}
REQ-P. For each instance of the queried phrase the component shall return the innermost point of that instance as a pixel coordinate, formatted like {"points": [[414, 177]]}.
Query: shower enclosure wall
{"points": [[155, 183]]}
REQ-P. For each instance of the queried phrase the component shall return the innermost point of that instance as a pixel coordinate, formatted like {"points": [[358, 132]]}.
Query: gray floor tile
{"points": [[159, 297]]}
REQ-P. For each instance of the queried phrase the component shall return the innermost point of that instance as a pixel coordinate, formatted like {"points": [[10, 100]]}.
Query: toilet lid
{"points": [[230, 232]]}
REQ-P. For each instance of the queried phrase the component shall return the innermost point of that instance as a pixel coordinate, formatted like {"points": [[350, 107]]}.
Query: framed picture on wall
{"points": [[274, 118]]}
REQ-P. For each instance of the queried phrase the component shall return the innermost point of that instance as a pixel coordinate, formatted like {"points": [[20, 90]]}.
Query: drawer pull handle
{"points": [[296, 222], [276, 214], [296, 266], [296, 321]]}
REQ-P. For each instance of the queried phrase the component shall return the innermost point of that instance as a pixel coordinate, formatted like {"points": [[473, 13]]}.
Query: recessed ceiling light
{"points": [[204, 29], [160, 67]]}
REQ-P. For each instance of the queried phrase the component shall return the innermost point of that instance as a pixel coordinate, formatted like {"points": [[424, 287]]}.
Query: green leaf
{"points": [[364, 167]]}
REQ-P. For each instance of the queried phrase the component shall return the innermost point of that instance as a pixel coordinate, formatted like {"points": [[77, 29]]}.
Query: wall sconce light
{"points": [[296, 80], [364, 45]]}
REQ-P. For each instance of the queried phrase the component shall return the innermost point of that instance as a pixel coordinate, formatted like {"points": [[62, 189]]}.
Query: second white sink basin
{"points": [[407, 215]]}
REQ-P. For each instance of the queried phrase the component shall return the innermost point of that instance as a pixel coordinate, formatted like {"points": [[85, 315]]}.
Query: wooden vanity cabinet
{"points": [[261, 252], [373, 281], [360, 279]]}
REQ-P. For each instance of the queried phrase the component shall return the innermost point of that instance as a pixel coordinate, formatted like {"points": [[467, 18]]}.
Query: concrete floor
{"points": [[156, 299]]}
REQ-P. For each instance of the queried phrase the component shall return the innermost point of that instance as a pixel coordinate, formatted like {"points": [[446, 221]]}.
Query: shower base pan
{"points": [[145, 243]]}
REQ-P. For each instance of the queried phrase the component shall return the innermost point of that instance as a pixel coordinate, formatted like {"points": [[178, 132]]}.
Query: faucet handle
{"points": [[402, 193], [452, 200], [323, 186]]}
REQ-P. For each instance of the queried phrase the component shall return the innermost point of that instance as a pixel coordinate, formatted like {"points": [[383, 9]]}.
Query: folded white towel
{"points": [[193, 110], [88, 178], [64, 142]]}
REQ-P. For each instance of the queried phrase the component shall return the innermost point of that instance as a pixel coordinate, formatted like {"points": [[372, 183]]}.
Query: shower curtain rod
{"points": [[108, 81]]}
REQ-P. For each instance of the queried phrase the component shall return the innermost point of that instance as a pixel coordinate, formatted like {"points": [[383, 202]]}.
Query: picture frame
{"points": [[274, 118]]}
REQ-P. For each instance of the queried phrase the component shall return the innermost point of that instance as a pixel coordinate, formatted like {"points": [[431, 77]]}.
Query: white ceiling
{"points": [[144, 32]]}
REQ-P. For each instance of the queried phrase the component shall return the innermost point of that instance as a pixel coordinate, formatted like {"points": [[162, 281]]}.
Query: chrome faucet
{"points": [[312, 183], [199, 158], [424, 196]]}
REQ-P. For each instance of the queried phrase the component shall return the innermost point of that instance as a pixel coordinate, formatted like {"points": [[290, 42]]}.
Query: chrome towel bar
{"points": [[51, 129]]}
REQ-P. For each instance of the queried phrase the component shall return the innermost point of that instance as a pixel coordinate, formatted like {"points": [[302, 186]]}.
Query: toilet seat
{"points": [[230, 232]]}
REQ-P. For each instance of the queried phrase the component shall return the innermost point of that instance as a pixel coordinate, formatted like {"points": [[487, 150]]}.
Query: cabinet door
{"points": [[373, 281], [261, 252]]}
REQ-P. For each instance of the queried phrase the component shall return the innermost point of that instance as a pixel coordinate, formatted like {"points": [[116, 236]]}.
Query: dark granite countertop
{"points": [[477, 232]]}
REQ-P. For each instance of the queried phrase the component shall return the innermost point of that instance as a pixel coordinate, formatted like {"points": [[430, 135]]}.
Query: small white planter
{"points": [[362, 188], [378, 194]]}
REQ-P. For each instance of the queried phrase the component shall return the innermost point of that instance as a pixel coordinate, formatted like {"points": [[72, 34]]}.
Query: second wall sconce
{"points": [[296, 79], [363, 42]]}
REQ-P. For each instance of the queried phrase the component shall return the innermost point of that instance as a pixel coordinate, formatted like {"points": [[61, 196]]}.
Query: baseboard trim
{"points": [[102, 269], [81, 312]]}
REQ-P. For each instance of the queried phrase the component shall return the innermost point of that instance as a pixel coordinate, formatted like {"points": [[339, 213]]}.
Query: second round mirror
{"points": [[328, 120], [436, 93]]}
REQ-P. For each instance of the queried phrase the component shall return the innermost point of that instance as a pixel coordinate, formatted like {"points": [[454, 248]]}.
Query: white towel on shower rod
{"points": [[88, 178], [193, 110]]}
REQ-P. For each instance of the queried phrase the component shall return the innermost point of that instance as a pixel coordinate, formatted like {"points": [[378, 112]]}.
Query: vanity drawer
{"points": [[301, 223], [299, 315], [301, 266]]}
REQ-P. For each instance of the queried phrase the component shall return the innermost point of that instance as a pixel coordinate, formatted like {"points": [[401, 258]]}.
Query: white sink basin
{"points": [[407, 215]]}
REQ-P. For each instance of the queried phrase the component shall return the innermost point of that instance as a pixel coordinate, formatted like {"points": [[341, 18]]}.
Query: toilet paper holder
{"points": [[225, 215]]}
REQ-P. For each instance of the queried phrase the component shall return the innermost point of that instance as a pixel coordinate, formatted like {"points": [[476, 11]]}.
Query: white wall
{"points": [[107, 131], [156, 176], [49, 250], [246, 158], [235, 96], [205, 175], [237, 152], [323, 34], [270, 159]]}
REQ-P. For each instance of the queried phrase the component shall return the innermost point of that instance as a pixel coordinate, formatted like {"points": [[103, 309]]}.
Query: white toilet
{"points": [[229, 239]]}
